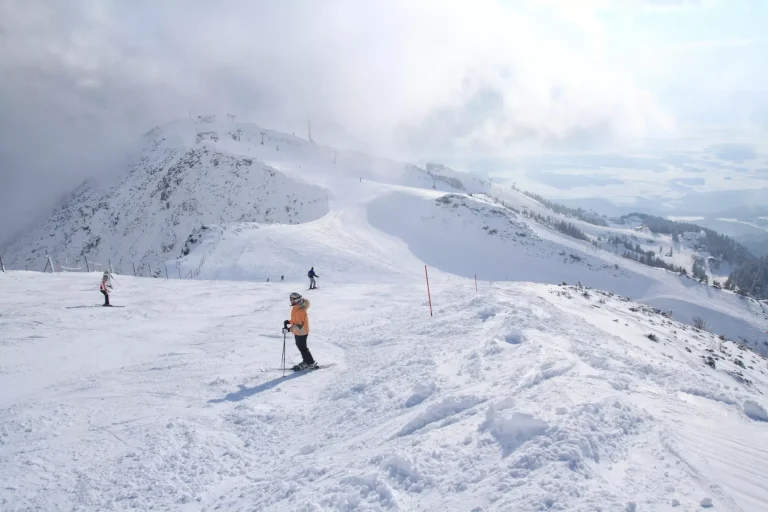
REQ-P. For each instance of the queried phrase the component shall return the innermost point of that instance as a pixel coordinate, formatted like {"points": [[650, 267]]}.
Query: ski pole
{"points": [[284, 335]]}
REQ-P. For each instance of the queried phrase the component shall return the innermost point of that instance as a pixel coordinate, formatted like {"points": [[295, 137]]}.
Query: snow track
{"points": [[520, 397]]}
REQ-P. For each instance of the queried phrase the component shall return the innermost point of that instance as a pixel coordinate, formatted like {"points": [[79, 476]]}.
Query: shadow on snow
{"points": [[244, 392]]}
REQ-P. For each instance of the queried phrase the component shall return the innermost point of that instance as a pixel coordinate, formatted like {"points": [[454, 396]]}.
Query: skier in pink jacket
{"points": [[105, 289]]}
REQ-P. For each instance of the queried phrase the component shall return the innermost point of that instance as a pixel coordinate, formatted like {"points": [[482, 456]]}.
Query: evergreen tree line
{"points": [[750, 279], [636, 253], [699, 272], [719, 246], [578, 213], [563, 227]]}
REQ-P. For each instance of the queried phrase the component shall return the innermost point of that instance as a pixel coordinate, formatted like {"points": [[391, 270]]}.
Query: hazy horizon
{"points": [[602, 98]]}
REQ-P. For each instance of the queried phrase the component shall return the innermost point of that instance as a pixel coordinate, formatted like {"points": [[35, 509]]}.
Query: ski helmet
{"points": [[295, 298]]}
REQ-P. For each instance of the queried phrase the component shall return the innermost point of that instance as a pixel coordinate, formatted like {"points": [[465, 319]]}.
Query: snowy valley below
{"points": [[550, 375]]}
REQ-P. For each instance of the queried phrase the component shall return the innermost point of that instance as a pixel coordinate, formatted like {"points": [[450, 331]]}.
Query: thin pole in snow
{"points": [[166, 271], [283, 360], [475, 283], [2, 267], [134, 269], [429, 295], [86, 263], [150, 269], [110, 267], [179, 269]]}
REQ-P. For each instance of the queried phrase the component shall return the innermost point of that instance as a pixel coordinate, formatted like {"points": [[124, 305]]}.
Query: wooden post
{"points": [[429, 295], [86, 263]]}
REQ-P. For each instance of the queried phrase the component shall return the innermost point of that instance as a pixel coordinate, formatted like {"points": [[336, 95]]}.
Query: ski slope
{"points": [[519, 396], [216, 200]]}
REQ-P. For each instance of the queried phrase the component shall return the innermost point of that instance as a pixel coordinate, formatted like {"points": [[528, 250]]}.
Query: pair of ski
{"points": [[318, 367]]}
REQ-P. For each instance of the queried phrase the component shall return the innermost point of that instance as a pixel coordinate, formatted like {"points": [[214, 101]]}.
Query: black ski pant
{"points": [[106, 297], [301, 344]]}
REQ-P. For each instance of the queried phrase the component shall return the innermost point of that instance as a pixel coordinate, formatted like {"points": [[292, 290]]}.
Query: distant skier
{"points": [[299, 326], [311, 274], [282, 278], [105, 286]]}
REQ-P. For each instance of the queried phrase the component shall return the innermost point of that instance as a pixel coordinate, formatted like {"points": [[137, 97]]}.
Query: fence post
{"points": [[134, 269], [429, 295], [86, 263], [150, 269]]}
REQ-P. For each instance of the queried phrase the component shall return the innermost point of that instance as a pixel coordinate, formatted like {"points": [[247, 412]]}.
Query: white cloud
{"points": [[371, 66], [408, 78]]}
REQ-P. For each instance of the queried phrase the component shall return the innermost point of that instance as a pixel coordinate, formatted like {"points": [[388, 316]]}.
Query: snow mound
{"points": [[513, 429], [514, 337], [440, 412], [419, 393], [755, 411]]}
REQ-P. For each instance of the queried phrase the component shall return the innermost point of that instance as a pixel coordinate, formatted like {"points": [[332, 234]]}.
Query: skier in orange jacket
{"points": [[299, 326]]}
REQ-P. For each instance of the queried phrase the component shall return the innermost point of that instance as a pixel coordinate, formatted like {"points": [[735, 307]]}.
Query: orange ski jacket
{"points": [[300, 319]]}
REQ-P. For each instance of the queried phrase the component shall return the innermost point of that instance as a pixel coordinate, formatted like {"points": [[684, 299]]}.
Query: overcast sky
{"points": [[451, 79]]}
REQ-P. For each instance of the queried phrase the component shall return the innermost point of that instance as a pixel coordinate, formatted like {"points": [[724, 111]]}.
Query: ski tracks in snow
{"points": [[521, 397]]}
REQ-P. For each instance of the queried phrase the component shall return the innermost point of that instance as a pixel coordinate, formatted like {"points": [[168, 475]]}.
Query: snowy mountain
{"points": [[180, 182], [499, 389], [209, 200]]}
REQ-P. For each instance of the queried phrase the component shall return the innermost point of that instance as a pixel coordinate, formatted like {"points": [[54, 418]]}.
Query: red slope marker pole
{"points": [[429, 296]]}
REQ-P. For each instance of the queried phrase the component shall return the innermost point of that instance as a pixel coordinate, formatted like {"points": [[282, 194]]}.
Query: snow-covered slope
{"points": [[518, 394], [277, 208], [521, 397], [177, 184]]}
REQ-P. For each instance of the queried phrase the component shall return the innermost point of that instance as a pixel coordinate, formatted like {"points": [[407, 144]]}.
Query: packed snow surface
{"points": [[512, 397]]}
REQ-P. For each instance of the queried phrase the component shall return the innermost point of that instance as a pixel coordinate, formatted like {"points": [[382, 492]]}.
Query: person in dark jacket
{"points": [[311, 274]]}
